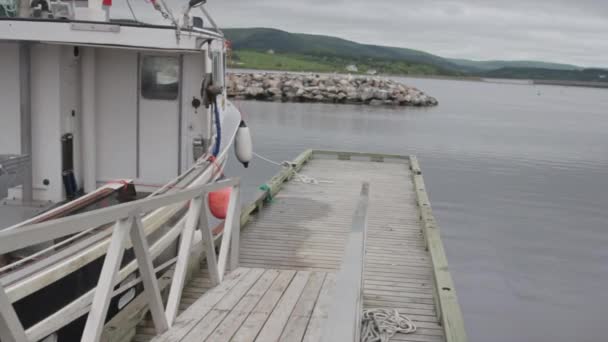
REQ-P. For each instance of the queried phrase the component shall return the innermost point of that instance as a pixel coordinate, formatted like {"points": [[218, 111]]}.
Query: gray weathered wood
{"points": [[306, 227], [275, 324], [217, 314], [300, 316], [195, 313], [240, 312], [260, 313]]}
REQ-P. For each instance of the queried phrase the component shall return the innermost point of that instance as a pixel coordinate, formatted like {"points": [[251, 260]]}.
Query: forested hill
{"points": [[265, 48]]}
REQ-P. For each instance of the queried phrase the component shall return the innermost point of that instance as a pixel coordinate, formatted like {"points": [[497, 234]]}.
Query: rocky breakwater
{"points": [[325, 88]]}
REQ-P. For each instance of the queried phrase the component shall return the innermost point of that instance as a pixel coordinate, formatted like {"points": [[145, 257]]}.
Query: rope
{"points": [[298, 177], [9, 7], [380, 325], [266, 188], [218, 129]]}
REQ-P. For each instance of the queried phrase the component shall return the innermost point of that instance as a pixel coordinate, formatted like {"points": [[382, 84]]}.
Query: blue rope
{"points": [[218, 127]]}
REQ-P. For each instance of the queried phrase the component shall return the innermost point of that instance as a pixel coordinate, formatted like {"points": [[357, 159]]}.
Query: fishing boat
{"points": [[97, 112]]}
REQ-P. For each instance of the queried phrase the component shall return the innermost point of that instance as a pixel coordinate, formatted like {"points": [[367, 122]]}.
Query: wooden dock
{"points": [[292, 247]]}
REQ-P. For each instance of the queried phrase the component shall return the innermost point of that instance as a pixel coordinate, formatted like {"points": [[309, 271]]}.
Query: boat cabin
{"points": [[89, 100]]}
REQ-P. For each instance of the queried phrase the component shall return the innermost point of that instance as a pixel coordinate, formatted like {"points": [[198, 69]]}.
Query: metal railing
{"points": [[344, 318], [128, 225]]}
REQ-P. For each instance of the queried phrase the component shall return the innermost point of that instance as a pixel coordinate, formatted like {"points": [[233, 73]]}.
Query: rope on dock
{"points": [[379, 325], [297, 176]]}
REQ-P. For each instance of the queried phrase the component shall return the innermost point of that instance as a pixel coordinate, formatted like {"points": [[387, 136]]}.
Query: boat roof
{"points": [[118, 34]]}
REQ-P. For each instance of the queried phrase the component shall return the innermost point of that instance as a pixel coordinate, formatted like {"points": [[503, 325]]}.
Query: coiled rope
{"points": [[379, 325]]}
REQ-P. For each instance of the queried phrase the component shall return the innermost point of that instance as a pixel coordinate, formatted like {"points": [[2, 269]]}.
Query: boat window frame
{"points": [[154, 92]]}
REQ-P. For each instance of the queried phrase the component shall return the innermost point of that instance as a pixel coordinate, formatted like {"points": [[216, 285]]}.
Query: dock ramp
{"points": [[292, 248], [327, 243]]}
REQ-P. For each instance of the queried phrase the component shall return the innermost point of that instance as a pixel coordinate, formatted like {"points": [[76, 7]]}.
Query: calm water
{"points": [[518, 177]]}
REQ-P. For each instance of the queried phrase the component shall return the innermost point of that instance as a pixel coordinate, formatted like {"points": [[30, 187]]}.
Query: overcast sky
{"points": [[567, 31]]}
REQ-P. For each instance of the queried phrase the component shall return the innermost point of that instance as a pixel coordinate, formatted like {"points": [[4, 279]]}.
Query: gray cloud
{"points": [[551, 30]]}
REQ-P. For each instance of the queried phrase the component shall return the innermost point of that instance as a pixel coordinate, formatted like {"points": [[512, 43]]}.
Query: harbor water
{"points": [[518, 178]]}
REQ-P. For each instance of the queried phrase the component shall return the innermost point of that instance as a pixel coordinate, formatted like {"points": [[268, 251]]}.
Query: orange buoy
{"points": [[218, 202]]}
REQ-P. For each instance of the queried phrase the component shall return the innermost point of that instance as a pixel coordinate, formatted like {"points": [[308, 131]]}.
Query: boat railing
{"points": [[127, 224], [344, 318]]}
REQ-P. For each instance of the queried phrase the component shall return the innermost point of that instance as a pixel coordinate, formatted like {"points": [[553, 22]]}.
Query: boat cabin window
{"points": [[218, 68], [160, 78]]}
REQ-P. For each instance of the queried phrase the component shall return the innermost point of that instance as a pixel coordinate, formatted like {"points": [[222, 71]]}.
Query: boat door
{"points": [[159, 117]]}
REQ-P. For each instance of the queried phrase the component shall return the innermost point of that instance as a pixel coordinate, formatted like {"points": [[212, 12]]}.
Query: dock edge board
{"points": [[446, 301]]}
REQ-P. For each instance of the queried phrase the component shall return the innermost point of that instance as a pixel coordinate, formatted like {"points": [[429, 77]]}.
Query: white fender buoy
{"points": [[243, 147]]}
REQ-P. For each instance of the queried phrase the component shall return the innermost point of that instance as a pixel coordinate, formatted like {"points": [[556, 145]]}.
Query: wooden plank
{"points": [[275, 324], [448, 309], [321, 310], [359, 154], [211, 319], [254, 322], [300, 316], [189, 318], [240, 312]]}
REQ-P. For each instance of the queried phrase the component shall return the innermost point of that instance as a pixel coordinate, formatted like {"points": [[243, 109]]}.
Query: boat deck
{"points": [[293, 247]]}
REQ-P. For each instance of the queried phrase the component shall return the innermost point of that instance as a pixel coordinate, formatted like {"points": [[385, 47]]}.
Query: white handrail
{"points": [[127, 222]]}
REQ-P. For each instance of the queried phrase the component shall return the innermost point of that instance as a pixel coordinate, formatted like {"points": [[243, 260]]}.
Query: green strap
{"points": [[266, 188]]}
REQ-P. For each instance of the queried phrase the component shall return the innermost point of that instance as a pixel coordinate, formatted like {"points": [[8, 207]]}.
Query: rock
{"points": [[274, 91], [254, 91], [366, 94], [325, 88], [381, 94]]}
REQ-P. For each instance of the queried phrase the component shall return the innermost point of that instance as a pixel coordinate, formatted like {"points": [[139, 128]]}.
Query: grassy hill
{"points": [[264, 48]]}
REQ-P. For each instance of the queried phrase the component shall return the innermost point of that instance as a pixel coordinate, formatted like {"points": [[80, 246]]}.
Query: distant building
{"points": [[603, 76], [352, 68], [270, 52], [372, 72]]}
